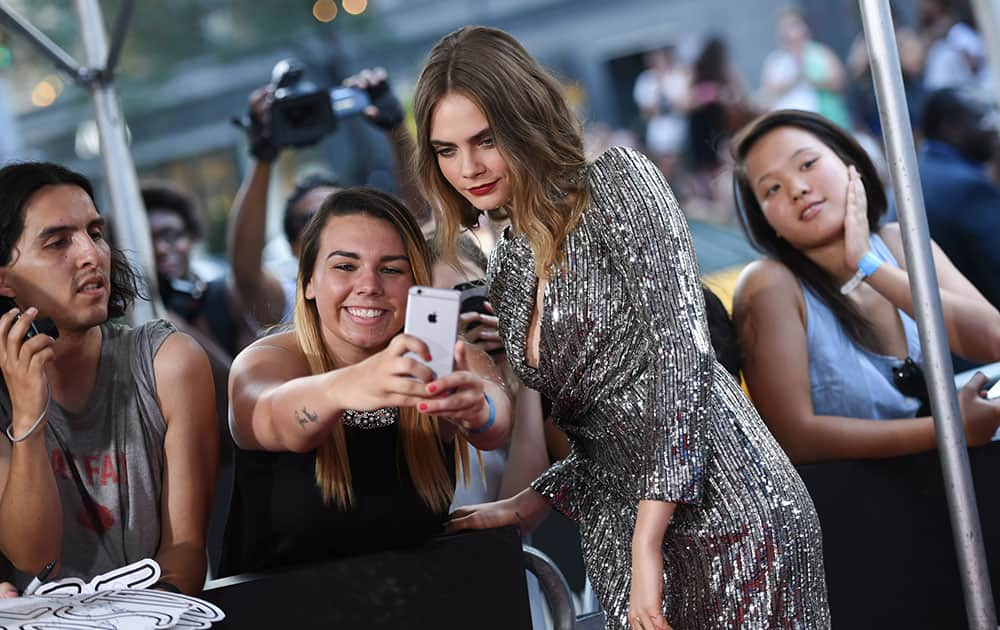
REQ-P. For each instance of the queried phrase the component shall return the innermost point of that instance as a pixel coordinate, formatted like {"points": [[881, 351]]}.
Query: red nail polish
{"points": [[432, 388], [422, 406]]}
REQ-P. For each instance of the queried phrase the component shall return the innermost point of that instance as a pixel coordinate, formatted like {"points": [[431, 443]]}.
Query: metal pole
{"points": [[554, 588], [968, 538], [10, 135], [128, 214], [118, 39], [46, 46], [989, 29]]}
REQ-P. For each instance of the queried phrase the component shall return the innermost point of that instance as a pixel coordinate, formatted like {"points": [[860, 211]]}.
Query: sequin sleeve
{"points": [[564, 483], [651, 247]]}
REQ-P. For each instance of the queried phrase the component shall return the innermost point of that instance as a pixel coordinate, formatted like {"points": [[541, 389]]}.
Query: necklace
{"points": [[375, 419]]}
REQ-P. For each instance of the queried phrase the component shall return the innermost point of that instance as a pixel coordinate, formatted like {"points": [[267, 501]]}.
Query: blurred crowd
{"points": [[691, 100]]}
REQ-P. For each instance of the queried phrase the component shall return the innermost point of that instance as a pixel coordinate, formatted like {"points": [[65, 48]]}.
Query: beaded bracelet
{"points": [[490, 420]]}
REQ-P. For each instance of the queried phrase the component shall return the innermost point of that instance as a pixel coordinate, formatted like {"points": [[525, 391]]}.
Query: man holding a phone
{"points": [[102, 463]]}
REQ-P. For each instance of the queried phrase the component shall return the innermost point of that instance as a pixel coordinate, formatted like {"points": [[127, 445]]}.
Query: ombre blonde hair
{"points": [[533, 127], [419, 433]]}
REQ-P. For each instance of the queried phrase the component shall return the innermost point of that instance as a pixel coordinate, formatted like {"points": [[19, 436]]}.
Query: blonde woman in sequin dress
{"points": [[342, 445], [690, 513]]}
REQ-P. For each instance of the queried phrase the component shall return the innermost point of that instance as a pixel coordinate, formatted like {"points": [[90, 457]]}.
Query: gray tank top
{"points": [[108, 460], [848, 380]]}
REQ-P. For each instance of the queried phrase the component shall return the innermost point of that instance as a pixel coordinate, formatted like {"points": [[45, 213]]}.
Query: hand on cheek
{"points": [[855, 219]]}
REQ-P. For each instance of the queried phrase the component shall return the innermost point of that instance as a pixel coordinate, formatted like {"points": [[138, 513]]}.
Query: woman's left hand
{"points": [[855, 219], [460, 398], [645, 602]]}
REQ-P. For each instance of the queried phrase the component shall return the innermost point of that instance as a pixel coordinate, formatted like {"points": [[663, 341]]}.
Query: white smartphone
{"points": [[432, 317]]}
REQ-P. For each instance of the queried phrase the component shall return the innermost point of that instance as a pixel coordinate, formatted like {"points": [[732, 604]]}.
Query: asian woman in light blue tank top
{"points": [[831, 349]]}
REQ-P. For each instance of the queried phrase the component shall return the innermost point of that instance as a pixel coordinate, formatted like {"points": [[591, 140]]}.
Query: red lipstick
{"points": [[485, 189]]}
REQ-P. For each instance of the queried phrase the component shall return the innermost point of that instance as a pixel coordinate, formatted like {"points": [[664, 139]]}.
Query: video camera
{"points": [[302, 113]]}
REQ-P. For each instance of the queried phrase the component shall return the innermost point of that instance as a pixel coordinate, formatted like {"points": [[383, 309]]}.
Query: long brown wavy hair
{"points": [[419, 433], [533, 127]]}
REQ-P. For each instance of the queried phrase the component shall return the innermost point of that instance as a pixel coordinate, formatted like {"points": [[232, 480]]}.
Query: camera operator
{"points": [[268, 297]]}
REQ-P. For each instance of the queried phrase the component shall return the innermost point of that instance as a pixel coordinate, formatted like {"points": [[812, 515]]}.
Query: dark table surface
{"points": [[888, 546], [469, 580]]}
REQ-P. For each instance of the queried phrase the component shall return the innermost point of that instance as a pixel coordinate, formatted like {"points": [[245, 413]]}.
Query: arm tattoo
{"points": [[304, 416]]}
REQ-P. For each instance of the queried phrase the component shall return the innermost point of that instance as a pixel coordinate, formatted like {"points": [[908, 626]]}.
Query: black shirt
{"points": [[278, 517]]}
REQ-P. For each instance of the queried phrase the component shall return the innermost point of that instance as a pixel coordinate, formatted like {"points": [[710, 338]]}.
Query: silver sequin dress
{"points": [[625, 357]]}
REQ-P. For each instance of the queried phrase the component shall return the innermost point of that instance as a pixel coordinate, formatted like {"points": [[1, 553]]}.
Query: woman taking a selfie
{"points": [[826, 320], [345, 439], [689, 511]]}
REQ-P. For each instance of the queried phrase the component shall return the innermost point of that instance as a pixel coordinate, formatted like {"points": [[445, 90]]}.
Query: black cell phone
{"points": [[474, 296], [41, 325]]}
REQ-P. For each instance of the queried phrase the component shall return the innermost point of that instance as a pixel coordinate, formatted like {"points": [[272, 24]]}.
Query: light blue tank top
{"points": [[846, 379]]}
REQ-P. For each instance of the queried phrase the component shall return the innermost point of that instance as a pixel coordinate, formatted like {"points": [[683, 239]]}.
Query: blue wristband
{"points": [[870, 263], [489, 421]]}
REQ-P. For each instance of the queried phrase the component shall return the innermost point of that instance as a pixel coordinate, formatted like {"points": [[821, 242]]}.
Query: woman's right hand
{"points": [[484, 516], [23, 366], [389, 378], [980, 417], [855, 219]]}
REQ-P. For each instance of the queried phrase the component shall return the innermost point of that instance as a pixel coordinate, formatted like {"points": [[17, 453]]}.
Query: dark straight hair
{"points": [[21, 180], [293, 222], [763, 237], [163, 195]]}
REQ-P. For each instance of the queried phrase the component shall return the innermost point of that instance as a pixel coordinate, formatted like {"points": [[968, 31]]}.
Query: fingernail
{"points": [[427, 357], [432, 388], [422, 406]]}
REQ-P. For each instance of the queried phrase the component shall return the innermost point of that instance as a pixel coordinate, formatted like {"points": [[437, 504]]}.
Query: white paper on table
{"points": [[117, 600]]}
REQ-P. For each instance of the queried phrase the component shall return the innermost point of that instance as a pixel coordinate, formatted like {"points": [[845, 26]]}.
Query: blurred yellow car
{"points": [[723, 252]]}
